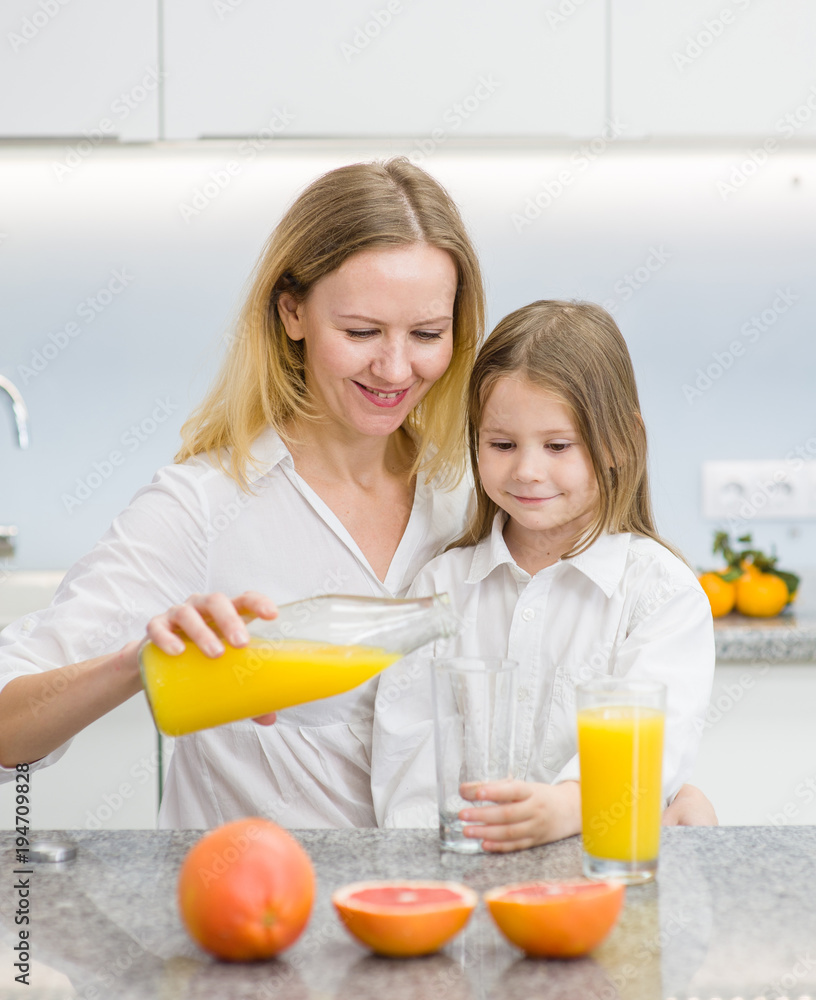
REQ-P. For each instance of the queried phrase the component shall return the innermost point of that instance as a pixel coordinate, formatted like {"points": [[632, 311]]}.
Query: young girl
{"points": [[560, 569]]}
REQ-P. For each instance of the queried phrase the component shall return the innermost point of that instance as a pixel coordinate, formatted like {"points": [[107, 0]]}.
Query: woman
{"points": [[325, 459]]}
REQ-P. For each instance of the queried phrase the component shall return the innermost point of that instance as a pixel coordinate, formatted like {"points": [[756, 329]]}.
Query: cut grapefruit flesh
{"points": [[403, 919], [556, 919]]}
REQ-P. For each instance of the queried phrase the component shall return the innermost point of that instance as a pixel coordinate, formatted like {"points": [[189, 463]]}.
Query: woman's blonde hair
{"points": [[574, 351], [261, 384]]}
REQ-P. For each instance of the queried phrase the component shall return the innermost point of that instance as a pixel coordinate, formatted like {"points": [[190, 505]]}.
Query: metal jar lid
{"points": [[52, 850]]}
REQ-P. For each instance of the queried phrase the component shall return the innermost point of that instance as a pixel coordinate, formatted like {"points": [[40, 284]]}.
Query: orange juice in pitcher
{"points": [[314, 649]]}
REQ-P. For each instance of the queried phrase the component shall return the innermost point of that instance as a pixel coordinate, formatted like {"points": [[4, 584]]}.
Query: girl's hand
{"points": [[527, 813], [209, 619], [690, 808]]}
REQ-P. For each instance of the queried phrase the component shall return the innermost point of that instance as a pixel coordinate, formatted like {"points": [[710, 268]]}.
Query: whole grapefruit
{"points": [[245, 890]]}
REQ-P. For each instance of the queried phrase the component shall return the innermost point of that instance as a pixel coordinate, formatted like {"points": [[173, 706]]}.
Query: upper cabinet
{"points": [[714, 68], [575, 69], [86, 70], [387, 68]]}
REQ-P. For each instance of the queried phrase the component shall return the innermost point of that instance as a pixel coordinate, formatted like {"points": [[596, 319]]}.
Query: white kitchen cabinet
{"points": [[108, 779], [85, 70], [757, 760], [388, 68], [714, 68]]}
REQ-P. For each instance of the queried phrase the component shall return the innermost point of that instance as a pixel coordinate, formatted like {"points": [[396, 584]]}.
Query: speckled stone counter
{"points": [[732, 915], [788, 638]]}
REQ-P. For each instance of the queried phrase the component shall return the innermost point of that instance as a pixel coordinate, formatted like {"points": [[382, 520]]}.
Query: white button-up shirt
{"points": [[194, 531], [626, 607]]}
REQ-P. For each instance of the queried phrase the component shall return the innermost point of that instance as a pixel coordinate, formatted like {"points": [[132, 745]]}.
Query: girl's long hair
{"points": [[364, 206], [575, 351]]}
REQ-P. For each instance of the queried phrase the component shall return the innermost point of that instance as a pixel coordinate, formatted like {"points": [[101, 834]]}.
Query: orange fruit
{"points": [[245, 890], [556, 919], [761, 595], [404, 918], [721, 594]]}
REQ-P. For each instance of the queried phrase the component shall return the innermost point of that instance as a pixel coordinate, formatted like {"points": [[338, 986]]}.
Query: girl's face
{"points": [[533, 464], [378, 333]]}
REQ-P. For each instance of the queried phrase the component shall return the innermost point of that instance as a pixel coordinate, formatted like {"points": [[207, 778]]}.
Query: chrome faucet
{"points": [[18, 408]]}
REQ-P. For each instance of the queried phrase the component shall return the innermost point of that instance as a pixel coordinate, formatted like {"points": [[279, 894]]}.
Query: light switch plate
{"points": [[777, 489]]}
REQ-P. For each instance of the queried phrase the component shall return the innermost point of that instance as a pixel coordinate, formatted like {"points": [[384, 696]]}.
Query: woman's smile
{"points": [[382, 397]]}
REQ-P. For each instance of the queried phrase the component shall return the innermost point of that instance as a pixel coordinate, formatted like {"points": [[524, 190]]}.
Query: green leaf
{"points": [[722, 544], [734, 573], [762, 562], [791, 579]]}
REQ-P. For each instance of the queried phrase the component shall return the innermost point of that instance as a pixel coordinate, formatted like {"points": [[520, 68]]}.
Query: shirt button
{"points": [[28, 624], [528, 614], [523, 694]]}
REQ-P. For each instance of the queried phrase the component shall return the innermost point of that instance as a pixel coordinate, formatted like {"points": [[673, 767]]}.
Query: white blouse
{"points": [[192, 530], [626, 607]]}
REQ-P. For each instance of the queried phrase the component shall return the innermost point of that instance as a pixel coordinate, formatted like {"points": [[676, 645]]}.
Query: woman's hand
{"points": [[208, 620], [527, 813], [690, 808], [202, 614]]}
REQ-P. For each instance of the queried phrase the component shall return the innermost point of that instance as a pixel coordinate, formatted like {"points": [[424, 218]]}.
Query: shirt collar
{"points": [[491, 552], [603, 562], [268, 451]]}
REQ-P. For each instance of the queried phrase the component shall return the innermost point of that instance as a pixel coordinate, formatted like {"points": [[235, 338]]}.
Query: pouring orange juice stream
{"points": [[316, 648]]}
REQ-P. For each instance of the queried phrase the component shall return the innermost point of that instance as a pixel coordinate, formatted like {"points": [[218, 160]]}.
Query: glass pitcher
{"points": [[315, 648]]}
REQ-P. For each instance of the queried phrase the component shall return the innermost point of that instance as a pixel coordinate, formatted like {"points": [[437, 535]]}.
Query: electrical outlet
{"points": [[769, 490]]}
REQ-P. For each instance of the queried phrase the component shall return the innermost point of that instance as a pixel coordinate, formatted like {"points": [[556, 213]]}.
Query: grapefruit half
{"points": [[556, 919], [403, 919]]}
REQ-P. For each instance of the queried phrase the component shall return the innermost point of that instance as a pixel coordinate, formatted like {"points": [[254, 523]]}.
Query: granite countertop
{"points": [[788, 638], [731, 915]]}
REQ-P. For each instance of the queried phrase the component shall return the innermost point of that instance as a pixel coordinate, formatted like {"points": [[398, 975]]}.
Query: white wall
{"points": [[667, 169], [643, 228], [756, 760]]}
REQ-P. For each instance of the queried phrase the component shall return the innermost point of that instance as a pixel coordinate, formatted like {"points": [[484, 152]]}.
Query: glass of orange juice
{"points": [[620, 749]]}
